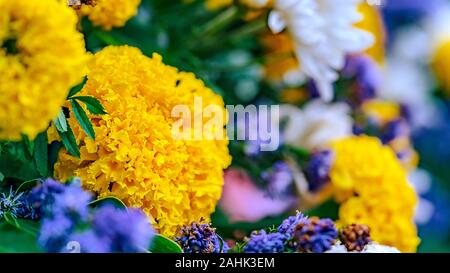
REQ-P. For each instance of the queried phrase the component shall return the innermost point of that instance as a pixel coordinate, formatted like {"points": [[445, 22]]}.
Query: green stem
{"points": [[252, 28], [220, 21], [300, 153]]}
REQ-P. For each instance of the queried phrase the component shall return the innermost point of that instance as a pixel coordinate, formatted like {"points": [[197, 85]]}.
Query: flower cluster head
{"points": [[43, 195], [116, 230], [316, 124], [372, 187], [318, 168], [315, 235], [201, 238], [135, 155], [366, 74], [109, 14], [287, 227], [355, 237], [263, 242], [17, 205], [61, 209], [278, 179], [65, 210], [42, 55]]}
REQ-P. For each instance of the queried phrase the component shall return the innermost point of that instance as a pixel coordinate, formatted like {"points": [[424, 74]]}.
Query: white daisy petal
{"points": [[323, 32]]}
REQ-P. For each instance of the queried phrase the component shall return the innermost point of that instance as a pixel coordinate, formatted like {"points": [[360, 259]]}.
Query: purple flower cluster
{"points": [[395, 129], [318, 168], [66, 217], [287, 227], [42, 196], [275, 242], [201, 238], [117, 231], [263, 242], [398, 13], [278, 179], [367, 76], [295, 234], [315, 235]]}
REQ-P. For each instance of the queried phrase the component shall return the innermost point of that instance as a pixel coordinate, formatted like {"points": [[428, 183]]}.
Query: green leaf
{"points": [[328, 209], [60, 122], [2, 177], [27, 226], [68, 139], [93, 105], [14, 240], [16, 162], [76, 89], [82, 118], [162, 244], [108, 200], [41, 154], [29, 144], [107, 38]]}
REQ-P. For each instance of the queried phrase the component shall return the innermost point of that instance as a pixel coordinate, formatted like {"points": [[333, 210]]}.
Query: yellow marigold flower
{"points": [[109, 14], [373, 23], [372, 186], [41, 56], [134, 156], [441, 66]]}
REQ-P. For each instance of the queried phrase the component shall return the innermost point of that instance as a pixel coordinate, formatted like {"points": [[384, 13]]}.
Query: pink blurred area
{"points": [[243, 201]]}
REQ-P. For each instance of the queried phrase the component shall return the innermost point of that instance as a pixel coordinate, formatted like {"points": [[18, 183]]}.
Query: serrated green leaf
{"points": [[108, 200], [69, 142], [162, 244], [93, 105], [76, 89], [82, 119], [60, 122], [41, 154]]}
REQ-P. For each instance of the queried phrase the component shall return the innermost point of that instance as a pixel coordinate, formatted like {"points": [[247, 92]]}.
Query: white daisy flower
{"points": [[316, 124], [323, 32], [373, 247], [377, 248]]}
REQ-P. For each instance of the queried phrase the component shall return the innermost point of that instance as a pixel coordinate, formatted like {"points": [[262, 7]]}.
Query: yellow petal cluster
{"points": [[373, 22], [381, 111], [109, 14], [372, 187], [134, 156], [41, 56], [441, 65], [280, 57]]}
